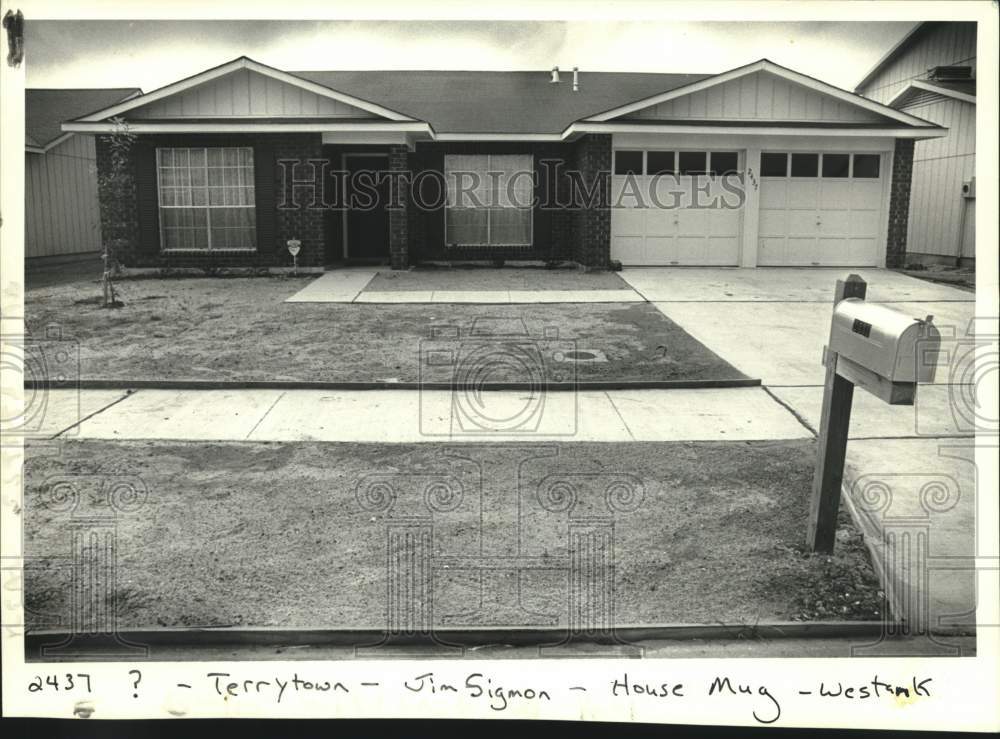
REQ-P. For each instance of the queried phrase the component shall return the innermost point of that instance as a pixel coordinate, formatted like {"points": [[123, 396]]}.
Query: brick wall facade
{"points": [[899, 203], [593, 224], [289, 173], [284, 209], [399, 220]]}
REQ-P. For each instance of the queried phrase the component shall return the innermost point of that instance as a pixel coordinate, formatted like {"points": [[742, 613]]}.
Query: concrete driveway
{"points": [[910, 470]]}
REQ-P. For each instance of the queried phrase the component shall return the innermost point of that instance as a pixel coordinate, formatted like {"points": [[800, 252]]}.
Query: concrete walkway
{"points": [[336, 286], [773, 324], [399, 416]]}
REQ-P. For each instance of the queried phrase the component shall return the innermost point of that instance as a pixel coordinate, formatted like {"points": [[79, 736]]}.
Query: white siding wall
{"points": [[939, 165], [759, 96], [244, 93], [940, 45], [60, 200]]}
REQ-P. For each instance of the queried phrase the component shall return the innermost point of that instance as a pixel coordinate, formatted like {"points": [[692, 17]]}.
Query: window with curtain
{"points": [[489, 199], [206, 198]]}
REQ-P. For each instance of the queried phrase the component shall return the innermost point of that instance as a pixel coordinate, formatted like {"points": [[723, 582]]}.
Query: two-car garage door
{"points": [[676, 207], [686, 208], [819, 209]]}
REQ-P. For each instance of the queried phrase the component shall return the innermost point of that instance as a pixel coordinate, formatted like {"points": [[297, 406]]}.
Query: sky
{"points": [[150, 54]]}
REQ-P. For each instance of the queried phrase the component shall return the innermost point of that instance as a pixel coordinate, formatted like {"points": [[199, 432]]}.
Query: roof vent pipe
{"points": [[555, 74], [576, 79]]}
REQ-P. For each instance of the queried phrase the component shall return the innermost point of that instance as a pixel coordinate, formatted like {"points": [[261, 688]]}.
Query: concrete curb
{"points": [[36, 641], [93, 384]]}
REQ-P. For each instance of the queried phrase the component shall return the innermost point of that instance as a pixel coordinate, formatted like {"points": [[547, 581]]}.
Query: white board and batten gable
{"points": [[761, 96], [244, 93]]}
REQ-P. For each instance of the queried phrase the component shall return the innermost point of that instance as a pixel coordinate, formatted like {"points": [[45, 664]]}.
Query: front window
{"points": [[206, 198], [489, 199]]}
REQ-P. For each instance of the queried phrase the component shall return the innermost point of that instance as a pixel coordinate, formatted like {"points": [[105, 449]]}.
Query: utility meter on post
{"points": [[880, 350]]}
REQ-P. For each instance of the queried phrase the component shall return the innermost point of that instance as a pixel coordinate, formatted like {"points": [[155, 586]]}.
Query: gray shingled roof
{"points": [[46, 110], [499, 102]]}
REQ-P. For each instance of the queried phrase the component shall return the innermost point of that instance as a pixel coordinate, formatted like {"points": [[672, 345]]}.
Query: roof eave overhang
{"points": [[291, 126], [924, 132], [763, 65], [888, 56], [929, 87]]}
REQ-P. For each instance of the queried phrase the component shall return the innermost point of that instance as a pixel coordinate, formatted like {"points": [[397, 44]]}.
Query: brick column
{"points": [[593, 162], [899, 203], [299, 186], [399, 231]]}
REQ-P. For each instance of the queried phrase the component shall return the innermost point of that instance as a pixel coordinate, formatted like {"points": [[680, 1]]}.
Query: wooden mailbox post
{"points": [[880, 350]]}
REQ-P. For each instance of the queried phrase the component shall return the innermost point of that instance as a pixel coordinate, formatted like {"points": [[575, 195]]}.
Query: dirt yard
{"points": [[297, 535], [239, 329]]}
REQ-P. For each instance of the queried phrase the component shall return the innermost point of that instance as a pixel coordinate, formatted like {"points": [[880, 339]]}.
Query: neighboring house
{"points": [[826, 172], [60, 188], [931, 73]]}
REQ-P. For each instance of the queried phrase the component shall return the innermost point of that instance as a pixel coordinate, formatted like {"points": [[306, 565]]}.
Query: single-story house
{"points": [[757, 166], [931, 73], [60, 172]]}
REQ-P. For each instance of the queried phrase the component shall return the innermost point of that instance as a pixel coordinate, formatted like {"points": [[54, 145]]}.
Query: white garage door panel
{"points": [[820, 221], [669, 231]]}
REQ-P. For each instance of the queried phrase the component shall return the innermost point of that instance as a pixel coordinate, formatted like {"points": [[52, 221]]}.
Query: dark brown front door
{"points": [[367, 219]]}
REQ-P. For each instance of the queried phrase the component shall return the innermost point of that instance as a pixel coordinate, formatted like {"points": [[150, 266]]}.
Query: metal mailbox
{"points": [[896, 349]]}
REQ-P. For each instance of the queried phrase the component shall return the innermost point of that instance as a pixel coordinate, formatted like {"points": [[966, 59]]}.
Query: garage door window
{"points": [[866, 165], [836, 165], [725, 162], [628, 162], [805, 165], [692, 162], [773, 165], [660, 163], [829, 166]]}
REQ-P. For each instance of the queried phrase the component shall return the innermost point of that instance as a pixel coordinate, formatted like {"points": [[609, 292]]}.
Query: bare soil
{"points": [[239, 329], [299, 535], [489, 278]]}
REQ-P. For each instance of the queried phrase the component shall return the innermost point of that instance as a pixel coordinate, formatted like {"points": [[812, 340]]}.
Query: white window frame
{"points": [[489, 245], [208, 207], [819, 165], [677, 151]]}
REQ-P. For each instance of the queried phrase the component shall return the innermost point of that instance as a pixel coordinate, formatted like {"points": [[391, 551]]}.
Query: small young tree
{"points": [[117, 188]]}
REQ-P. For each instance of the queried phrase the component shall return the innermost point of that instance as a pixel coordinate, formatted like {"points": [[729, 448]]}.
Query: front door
{"points": [[366, 228]]}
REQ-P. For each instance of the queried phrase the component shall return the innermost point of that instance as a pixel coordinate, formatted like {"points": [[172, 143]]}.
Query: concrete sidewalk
{"points": [[400, 416]]}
